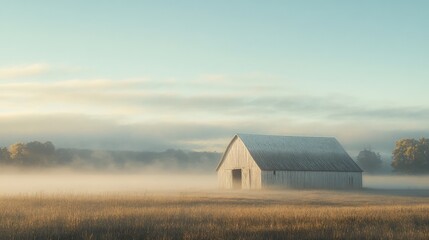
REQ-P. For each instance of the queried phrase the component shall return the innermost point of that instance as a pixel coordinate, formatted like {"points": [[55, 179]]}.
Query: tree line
{"points": [[32, 153], [38, 154], [409, 156]]}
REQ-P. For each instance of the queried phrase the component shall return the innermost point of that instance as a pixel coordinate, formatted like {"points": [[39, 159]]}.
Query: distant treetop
{"points": [[369, 161], [411, 155]]}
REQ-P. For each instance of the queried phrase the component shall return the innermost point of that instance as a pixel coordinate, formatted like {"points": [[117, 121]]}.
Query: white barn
{"points": [[260, 161]]}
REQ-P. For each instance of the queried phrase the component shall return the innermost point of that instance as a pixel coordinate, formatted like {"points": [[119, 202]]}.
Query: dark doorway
{"points": [[236, 178]]}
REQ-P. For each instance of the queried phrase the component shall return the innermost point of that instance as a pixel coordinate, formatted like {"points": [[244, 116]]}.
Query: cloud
{"points": [[143, 98], [82, 131], [12, 72], [213, 78], [148, 114], [407, 112]]}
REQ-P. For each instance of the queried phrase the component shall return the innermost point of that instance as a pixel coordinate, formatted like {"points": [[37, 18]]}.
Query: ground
{"points": [[281, 214]]}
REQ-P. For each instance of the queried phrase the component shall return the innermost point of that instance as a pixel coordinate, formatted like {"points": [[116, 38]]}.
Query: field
{"points": [[366, 214]]}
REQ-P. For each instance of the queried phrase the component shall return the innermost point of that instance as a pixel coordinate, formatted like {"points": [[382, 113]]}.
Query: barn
{"points": [[260, 161]]}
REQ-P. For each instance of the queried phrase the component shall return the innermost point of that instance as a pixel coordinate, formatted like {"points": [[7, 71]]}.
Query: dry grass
{"points": [[214, 215]]}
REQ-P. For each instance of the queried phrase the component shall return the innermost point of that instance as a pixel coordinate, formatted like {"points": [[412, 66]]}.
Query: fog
{"points": [[396, 181], [71, 182], [100, 183]]}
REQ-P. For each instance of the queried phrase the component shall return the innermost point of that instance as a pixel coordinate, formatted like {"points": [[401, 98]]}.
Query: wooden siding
{"points": [[311, 179], [238, 157]]}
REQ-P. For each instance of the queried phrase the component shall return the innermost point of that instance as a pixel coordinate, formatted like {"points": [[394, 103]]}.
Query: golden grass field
{"points": [[366, 214]]}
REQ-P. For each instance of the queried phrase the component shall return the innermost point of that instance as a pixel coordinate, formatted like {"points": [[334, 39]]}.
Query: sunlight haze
{"points": [[190, 74]]}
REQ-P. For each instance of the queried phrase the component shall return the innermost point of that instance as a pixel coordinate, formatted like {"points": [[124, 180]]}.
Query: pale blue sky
{"points": [[189, 74]]}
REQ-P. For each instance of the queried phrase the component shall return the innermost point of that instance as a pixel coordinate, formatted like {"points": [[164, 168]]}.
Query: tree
{"points": [[37, 147], [32, 153], [411, 155], [369, 161], [38, 153], [4, 155], [17, 153]]}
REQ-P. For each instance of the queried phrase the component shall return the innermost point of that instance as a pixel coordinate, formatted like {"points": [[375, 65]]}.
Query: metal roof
{"points": [[292, 153]]}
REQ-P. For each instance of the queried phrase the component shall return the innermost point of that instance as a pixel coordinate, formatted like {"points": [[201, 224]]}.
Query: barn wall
{"points": [[238, 157], [312, 179]]}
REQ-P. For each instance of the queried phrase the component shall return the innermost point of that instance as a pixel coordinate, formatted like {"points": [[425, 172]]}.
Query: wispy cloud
{"points": [[83, 131], [194, 114], [157, 98], [13, 72]]}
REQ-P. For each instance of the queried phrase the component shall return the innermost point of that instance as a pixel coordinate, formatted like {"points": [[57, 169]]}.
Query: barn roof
{"points": [[291, 153]]}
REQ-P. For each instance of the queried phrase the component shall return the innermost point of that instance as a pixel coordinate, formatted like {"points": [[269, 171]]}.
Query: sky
{"points": [[153, 75]]}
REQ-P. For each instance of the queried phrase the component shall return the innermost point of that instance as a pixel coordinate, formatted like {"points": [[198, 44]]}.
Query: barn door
{"points": [[236, 179], [351, 181], [250, 179], [245, 178]]}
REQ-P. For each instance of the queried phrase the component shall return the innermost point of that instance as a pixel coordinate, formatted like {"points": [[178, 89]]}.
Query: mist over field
{"points": [[66, 181], [36, 167], [396, 182]]}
